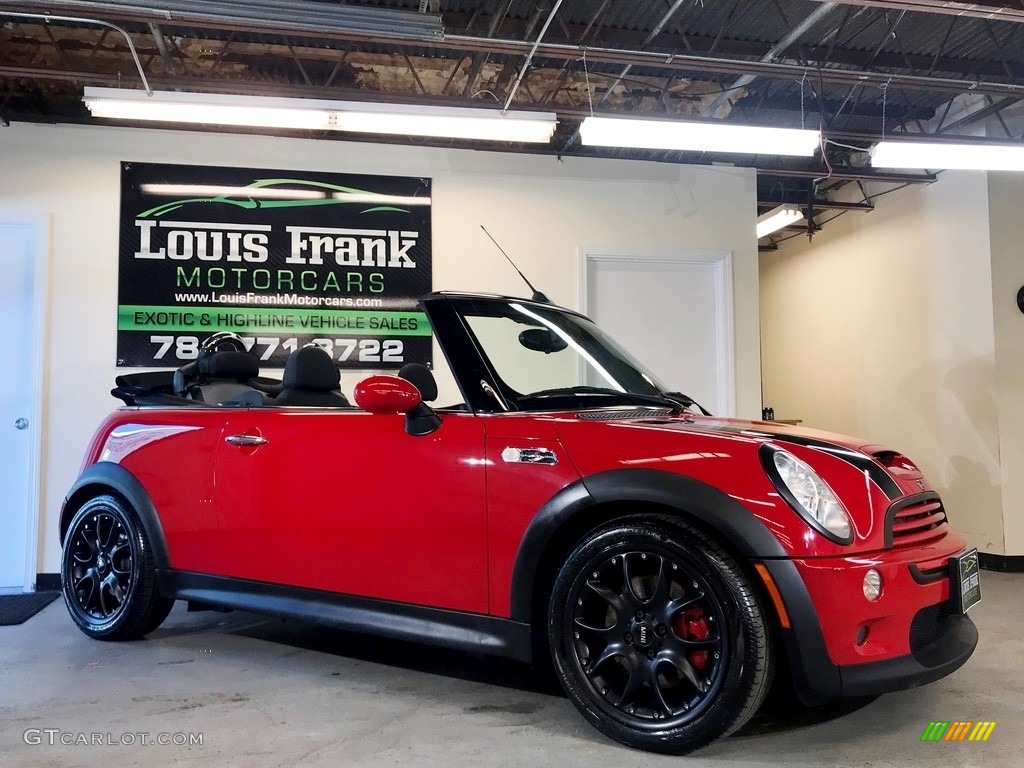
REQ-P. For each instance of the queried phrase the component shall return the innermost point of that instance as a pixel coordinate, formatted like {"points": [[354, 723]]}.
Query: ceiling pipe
{"points": [[480, 59], [274, 16], [48, 17], [654, 33], [529, 58], [161, 47], [776, 50]]}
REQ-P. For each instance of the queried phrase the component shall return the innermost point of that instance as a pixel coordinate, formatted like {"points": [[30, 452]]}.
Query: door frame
{"points": [[720, 259], [39, 228]]}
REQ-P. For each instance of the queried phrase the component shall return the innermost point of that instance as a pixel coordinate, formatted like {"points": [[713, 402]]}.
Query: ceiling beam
{"points": [[817, 53], [823, 205], [257, 16], [779, 71], [599, 55], [852, 174], [982, 9]]}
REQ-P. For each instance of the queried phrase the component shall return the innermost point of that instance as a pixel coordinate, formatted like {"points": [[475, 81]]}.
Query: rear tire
{"points": [[658, 637], [108, 575]]}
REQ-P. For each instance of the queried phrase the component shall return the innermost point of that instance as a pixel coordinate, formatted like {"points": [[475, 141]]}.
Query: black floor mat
{"points": [[15, 609]]}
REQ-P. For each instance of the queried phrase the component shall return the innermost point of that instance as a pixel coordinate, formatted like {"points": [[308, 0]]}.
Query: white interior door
{"points": [[673, 312], [18, 406]]}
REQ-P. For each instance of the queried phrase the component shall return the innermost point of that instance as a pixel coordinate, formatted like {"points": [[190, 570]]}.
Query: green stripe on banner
{"points": [[356, 322]]}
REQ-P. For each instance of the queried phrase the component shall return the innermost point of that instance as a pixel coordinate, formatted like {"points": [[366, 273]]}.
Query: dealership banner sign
{"points": [[282, 258]]}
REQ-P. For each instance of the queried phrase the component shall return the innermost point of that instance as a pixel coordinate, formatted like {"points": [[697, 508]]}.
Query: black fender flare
{"points": [[104, 477], [686, 495]]}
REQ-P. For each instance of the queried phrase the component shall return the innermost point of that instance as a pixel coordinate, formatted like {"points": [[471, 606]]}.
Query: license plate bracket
{"points": [[965, 580]]}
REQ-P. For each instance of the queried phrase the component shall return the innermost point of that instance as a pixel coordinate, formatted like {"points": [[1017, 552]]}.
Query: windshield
{"points": [[546, 359]]}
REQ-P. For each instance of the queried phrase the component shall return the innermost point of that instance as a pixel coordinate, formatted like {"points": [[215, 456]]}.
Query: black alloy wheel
{"points": [[657, 637], [107, 573]]}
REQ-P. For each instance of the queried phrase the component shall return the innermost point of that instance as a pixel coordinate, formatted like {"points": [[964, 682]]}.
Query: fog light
{"points": [[872, 584]]}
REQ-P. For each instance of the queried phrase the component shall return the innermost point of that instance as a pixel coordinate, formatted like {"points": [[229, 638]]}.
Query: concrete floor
{"points": [[272, 693]]}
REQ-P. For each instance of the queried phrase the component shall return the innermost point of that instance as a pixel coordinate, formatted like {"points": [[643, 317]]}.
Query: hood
{"points": [[757, 431], [896, 474]]}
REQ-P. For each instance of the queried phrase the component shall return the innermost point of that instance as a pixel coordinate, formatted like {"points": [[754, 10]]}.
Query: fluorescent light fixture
{"points": [[698, 137], [206, 108], [318, 114], [452, 122], [934, 154], [776, 219]]}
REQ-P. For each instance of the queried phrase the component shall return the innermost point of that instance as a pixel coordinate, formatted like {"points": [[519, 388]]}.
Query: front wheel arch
{"points": [[105, 477], [592, 501]]}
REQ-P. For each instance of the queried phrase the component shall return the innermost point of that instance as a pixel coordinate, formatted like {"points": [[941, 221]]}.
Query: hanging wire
{"points": [[822, 146], [885, 100], [834, 143], [821, 123], [802, 112], [586, 74]]}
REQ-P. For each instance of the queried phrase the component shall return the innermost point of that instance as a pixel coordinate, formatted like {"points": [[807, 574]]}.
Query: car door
{"points": [[348, 502]]}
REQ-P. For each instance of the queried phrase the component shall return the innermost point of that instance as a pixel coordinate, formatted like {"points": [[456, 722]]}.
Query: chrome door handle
{"points": [[245, 440], [21, 423]]}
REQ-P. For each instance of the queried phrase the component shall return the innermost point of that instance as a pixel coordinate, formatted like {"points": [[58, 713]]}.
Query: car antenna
{"points": [[537, 295]]}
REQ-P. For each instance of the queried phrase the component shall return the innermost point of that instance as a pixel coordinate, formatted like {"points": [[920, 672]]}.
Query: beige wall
{"points": [[540, 209], [1005, 193], [883, 327]]}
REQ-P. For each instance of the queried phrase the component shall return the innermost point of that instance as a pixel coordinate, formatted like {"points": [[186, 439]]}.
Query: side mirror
{"points": [[390, 394], [386, 394]]}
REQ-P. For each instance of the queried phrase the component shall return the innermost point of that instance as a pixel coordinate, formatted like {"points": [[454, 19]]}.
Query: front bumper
{"points": [[840, 645], [951, 645]]}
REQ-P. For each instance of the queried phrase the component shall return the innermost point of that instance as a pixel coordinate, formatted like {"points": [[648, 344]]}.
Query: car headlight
{"points": [[808, 494]]}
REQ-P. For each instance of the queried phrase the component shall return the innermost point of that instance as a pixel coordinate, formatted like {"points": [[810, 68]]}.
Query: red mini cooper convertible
{"points": [[668, 562]]}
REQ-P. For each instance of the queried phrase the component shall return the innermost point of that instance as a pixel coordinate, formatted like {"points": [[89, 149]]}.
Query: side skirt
{"points": [[433, 626]]}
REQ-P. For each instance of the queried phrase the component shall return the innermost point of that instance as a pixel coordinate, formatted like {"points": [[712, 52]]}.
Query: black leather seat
{"points": [[220, 377], [311, 379]]}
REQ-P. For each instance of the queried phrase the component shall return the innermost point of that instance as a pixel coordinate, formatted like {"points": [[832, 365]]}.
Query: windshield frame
{"points": [[485, 391]]}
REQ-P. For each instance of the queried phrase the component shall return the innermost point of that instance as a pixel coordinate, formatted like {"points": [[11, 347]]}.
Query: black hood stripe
{"points": [[861, 461]]}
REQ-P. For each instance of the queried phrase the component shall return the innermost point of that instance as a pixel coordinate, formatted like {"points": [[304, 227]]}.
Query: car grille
{"points": [[638, 413], [929, 625], [915, 520]]}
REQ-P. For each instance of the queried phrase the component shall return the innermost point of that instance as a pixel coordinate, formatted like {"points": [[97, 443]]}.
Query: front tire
{"points": [[108, 575], [657, 636]]}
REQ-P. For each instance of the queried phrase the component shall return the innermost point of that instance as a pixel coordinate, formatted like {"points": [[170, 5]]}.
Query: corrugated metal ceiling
{"points": [[918, 62]]}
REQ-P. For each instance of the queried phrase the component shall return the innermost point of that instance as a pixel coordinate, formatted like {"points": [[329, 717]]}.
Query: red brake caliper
{"points": [[693, 625]]}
